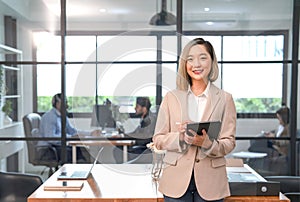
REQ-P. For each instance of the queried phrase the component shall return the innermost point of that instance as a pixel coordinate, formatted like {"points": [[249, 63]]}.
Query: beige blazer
{"points": [[209, 165]]}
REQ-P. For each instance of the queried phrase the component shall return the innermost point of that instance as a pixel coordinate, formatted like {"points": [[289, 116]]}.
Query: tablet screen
{"points": [[212, 128]]}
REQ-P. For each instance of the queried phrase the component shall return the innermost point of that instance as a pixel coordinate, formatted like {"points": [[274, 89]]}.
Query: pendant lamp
{"points": [[163, 18]]}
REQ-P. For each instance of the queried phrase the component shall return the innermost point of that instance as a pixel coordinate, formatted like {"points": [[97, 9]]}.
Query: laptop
{"points": [[79, 174]]}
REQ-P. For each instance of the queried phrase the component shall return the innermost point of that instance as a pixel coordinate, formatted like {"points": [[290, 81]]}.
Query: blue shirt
{"points": [[50, 126]]}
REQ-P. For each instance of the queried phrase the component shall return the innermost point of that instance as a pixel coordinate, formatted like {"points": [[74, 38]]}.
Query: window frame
{"points": [[159, 62]]}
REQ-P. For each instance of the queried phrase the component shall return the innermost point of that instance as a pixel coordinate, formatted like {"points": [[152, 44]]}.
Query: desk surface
{"points": [[110, 182]]}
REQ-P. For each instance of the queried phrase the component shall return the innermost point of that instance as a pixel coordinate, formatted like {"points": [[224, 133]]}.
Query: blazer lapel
{"points": [[212, 101], [184, 108]]}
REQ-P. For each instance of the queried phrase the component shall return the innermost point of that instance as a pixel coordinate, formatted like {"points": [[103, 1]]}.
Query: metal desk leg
{"points": [[74, 154], [125, 157]]}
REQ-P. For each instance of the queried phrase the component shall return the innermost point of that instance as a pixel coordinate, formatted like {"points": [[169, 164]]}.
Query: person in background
{"points": [[143, 132], [195, 166], [283, 116], [147, 121], [50, 126]]}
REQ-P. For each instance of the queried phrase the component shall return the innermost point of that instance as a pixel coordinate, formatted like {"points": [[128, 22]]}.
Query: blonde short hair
{"points": [[183, 80]]}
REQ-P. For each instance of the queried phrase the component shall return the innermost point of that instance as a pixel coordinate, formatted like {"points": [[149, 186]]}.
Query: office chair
{"points": [[287, 183], [273, 164], [293, 196], [289, 186], [45, 155], [17, 186]]}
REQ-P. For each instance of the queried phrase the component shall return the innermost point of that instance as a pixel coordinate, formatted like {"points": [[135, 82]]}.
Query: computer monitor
{"points": [[102, 117]]}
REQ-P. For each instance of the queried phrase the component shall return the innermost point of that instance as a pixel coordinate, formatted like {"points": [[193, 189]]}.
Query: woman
{"points": [[195, 167], [281, 146]]}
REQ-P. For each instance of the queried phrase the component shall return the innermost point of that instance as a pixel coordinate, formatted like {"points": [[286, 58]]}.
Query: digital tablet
{"points": [[212, 128]]}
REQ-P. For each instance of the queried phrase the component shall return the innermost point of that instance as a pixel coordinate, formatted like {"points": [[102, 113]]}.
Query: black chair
{"points": [[289, 185], [17, 186], [273, 164], [45, 155], [293, 196]]}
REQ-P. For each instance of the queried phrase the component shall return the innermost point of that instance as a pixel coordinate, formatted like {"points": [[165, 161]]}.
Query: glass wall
{"points": [[112, 52]]}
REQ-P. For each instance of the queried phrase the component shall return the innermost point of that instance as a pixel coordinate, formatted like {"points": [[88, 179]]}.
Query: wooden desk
{"points": [[108, 182], [120, 183], [80, 143], [280, 198]]}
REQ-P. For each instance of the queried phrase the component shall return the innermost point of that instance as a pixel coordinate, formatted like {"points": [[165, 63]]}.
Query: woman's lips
{"points": [[197, 71]]}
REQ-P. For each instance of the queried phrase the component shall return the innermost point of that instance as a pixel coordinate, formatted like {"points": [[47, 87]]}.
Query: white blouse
{"points": [[197, 103]]}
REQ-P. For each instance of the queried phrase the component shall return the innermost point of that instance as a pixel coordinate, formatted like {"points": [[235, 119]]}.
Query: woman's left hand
{"points": [[199, 140]]}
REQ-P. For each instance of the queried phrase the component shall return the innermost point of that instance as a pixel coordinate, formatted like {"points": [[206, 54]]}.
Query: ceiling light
{"points": [[210, 23], [102, 10], [163, 17]]}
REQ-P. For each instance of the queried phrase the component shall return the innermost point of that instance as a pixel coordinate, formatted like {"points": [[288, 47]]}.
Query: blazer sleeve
{"points": [[166, 137]]}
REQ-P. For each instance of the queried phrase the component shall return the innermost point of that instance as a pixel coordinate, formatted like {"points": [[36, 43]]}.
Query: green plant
{"points": [[7, 107]]}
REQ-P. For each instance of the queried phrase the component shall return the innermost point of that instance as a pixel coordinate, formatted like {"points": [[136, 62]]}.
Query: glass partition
{"points": [[113, 52]]}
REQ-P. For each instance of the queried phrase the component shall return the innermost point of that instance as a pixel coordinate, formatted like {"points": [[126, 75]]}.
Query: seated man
{"points": [[143, 132], [50, 126]]}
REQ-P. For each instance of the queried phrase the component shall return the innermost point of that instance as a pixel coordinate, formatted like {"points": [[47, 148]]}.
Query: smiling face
{"points": [[198, 64]]}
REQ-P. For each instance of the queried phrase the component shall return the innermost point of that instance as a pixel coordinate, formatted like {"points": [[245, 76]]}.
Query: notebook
{"points": [[79, 174], [64, 186]]}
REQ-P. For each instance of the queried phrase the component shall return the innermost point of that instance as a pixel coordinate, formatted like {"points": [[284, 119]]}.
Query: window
{"points": [[249, 70], [123, 67], [95, 69], [256, 87]]}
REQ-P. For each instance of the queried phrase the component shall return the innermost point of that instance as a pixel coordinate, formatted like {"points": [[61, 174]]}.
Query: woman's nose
{"points": [[196, 62]]}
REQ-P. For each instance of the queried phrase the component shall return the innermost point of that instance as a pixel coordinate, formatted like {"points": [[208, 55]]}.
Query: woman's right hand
{"points": [[181, 127]]}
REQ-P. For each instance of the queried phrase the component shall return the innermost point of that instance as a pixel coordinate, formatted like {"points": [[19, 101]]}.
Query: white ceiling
{"points": [[137, 13]]}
